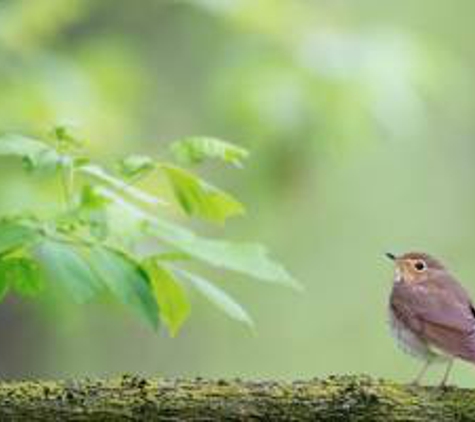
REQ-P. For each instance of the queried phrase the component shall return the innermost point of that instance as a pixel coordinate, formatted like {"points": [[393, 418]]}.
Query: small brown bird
{"points": [[431, 314]]}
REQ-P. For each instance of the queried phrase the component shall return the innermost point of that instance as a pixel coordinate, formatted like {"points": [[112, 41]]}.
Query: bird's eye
{"points": [[420, 265]]}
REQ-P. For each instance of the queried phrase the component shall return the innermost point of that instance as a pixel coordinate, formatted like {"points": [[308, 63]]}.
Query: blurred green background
{"points": [[360, 119]]}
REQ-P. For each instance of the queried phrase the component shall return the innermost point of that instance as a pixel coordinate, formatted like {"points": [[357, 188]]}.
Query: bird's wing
{"points": [[450, 341], [441, 313], [443, 302]]}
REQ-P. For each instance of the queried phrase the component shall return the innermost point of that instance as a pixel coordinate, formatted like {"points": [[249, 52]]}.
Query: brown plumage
{"points": [[431, 314]]}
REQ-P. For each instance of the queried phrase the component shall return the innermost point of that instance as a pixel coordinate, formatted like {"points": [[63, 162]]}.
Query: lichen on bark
{"points": [[343, 398]]}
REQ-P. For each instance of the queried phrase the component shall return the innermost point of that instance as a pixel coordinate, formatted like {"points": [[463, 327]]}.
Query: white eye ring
{"points": [[420, 266]]}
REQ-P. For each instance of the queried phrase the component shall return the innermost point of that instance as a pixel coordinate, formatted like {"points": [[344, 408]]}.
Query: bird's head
{"points": [[414, 267]]}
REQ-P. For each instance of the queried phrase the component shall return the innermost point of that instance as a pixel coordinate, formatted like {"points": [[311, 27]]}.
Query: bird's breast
{"points": [[407, 340]]}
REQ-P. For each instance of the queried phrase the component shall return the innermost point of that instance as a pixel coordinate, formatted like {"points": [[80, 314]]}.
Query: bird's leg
{"points": [[446, 374], [422, 372]]}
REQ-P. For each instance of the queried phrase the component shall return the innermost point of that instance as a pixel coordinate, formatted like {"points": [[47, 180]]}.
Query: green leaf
{"points": [[64, 265], [79, 162], [219, 298], [22, 274], [135, 165], [36, 155], [67, 141], [170, 295], [14, 235], [200, 198], [4, 281], [126, 280], [195, 150], [92, 198], [120, 186], [247, 258], [4, 286], [172, 256], [92, 210]]}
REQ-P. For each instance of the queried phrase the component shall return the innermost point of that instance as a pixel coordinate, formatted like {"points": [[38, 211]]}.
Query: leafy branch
{"points": [[82, 246]]}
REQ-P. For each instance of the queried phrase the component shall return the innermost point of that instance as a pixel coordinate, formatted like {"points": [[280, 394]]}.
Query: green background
{"points": [[360, 121]]}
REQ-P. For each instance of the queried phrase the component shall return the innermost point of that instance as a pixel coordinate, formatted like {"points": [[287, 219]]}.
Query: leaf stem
{"points": [[67, 182]]}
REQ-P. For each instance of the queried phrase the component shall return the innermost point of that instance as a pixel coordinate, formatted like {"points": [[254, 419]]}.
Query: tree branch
{"points": [[129, 398]]}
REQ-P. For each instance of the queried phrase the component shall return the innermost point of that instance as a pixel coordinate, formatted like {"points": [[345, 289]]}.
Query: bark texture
{"points": [[130, 398]]}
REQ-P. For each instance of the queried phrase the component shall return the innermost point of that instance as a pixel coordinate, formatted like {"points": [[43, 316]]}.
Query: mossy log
{"points": [[134, 399]]}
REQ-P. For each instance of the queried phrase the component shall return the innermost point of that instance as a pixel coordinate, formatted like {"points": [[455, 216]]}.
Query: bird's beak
{"points": [[391, 256]]}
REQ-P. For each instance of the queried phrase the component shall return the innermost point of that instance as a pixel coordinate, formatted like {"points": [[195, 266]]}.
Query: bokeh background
{"points": [[360, 117]]}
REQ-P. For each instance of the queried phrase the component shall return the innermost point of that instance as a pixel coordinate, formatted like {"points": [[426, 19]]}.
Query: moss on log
{"points": [[134, 399]]}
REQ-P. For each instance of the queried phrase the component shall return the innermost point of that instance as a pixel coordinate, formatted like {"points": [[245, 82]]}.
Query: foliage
{"points": [[196, 149], [80, 249]]}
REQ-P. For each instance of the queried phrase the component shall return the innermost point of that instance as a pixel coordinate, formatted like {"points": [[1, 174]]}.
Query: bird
{"points": [[430, 313]]}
